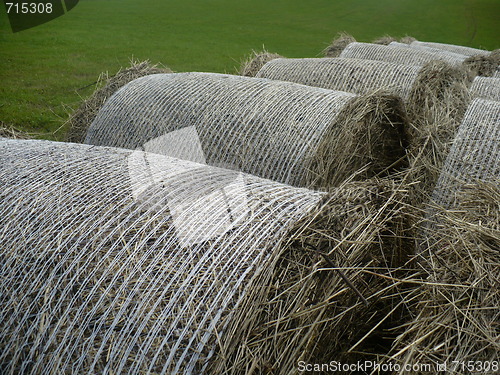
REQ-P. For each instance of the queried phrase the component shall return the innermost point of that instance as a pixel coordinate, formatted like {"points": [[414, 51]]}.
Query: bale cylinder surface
{"points": [[276, 130], [486, 88], [475, 153], [463, 50], [452, 56], [398, 55], [121, 261], [343, 74]]}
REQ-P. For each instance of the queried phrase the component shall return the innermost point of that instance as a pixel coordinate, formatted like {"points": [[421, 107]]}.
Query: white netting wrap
{"points": [[463, 50], [342, 74], [272, 129], [449, 56], [120, 261], [475, 153], [486, 88], [114, 259], [398, 55]]}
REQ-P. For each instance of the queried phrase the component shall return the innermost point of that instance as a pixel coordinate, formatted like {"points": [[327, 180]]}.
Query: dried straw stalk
{"points": [[407, 39], [338, 44], [438, 102], [81, 118], [299, 135], [255, 61], [481, 65], [9, 131], [120, 261], [384, 40], [454, 306], [486, 88]]}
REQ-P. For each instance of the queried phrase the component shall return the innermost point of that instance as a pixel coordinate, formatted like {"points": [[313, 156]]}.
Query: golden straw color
{"points": [[81, 118]]}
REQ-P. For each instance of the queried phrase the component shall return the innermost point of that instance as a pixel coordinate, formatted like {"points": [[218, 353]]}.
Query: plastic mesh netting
{"points": [[121, 261], [449, 56], [463, 50], [398, 55], [475, 153], [342, 74], [295, 134], [486, 88]]}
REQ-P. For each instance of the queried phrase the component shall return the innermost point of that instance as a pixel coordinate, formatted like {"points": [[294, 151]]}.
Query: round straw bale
{"points": [[482, 63], [276, 130], [343, 74], [338, 44], [398, 54], [455, 304], [486, 88], [475, 153], [79, 121], [463, 50], [121, 261], [384, 40], [255, 61], [436, 98]]}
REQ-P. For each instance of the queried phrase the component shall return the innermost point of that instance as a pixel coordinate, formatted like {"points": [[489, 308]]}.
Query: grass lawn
{"points": [[44, 70]]}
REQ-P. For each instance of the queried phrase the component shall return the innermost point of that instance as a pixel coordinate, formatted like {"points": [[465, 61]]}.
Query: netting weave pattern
{"points": [[343, 74], [463, 50], [475, 153], [120, 261], [486, 88], [398, 55]]}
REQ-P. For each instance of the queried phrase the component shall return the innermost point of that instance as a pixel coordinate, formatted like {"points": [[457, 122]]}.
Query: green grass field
{"points": [[44, 69]]}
